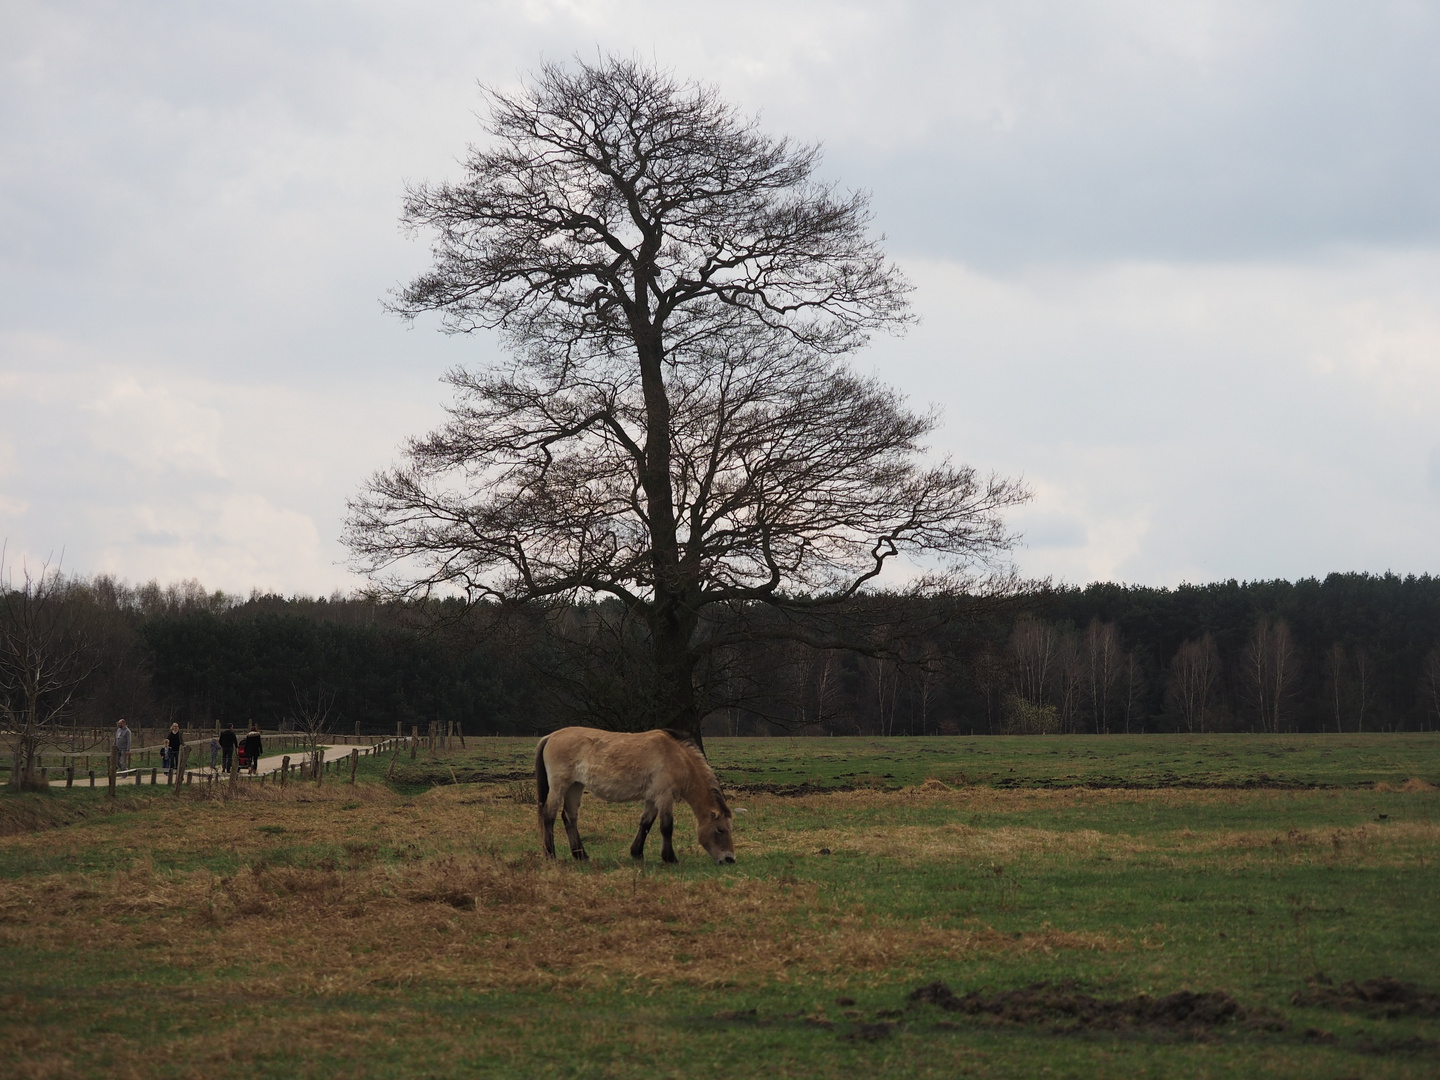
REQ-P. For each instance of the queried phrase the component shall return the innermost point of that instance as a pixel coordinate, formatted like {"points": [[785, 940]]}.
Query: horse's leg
{"points": [[637, 849], [667, 833], [548, 809], [571, 813]]}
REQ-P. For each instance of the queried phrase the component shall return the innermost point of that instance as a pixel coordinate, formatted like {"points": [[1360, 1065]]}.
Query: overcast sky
{"points": [[1178, 264]]}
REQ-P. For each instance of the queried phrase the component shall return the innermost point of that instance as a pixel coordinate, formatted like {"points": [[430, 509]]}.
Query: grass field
{"points": [[411, 930]]}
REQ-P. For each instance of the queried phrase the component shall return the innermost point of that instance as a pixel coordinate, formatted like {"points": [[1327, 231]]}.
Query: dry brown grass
{"points": [[471, 903], [1413, 784], [482, 921]]}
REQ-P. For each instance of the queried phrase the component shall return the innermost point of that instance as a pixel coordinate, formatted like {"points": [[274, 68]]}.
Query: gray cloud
{"points": [[1176, 261]]}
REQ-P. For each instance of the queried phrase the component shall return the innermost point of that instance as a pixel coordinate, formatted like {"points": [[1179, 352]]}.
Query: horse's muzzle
{"points": [[728, 857]]}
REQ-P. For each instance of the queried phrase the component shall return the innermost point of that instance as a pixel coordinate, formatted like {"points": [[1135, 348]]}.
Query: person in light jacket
{"points": [[122, 746]]}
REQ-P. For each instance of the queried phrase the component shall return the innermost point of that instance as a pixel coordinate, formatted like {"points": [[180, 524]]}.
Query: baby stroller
{"points": [[242, 758]]}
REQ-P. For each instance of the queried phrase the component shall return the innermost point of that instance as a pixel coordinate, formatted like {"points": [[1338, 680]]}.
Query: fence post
{"points": [[70, 776], [414, 740], [461, 733], [180, 771], [354, 763], [92, 778], [114, 755], [284, 769]]}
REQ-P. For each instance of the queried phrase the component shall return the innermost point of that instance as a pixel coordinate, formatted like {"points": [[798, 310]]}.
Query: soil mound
{"points": [[1060, 1007], [1381, 996]]}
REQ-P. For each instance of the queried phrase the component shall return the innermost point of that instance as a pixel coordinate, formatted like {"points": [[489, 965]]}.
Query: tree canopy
{"points": [[677, 427]]}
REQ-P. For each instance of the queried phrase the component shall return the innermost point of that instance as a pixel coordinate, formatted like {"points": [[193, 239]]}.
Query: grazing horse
{"points": [[656, 767]]}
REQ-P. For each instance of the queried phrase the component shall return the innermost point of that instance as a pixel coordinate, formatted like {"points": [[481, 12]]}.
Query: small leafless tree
{"points": [[44, 657], [1193, 673], [1270, 668], [313, 709], [677, 429]]}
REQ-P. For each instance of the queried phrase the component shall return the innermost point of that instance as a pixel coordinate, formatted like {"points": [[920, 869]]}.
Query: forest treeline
{"points": [[1352, 652]]}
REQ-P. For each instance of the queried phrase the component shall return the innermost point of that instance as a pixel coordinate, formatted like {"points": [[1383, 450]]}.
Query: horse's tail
{"points": [[542, 777]]}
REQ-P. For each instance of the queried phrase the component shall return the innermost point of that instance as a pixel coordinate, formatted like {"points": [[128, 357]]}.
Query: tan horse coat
{"points": [[653, 767]]}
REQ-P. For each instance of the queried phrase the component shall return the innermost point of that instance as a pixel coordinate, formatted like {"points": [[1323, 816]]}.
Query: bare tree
{"points": [[1336, 683], [1069, 675], [1103, 662], [1270, 666], [1194, 671], [676, 428], [1430, 683], [1033, 648], [993, 675], [1364, 687], [1133, 678], [884, 677], [44, 657]]}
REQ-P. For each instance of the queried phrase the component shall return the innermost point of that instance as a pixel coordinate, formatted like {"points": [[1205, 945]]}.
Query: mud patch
{"points": [[863, 1032], [1063, 1010], [1382, 996], [446, 776], [787, 791]]}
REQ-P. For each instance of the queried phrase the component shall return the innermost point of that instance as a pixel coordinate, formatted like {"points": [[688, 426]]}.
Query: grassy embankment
{"points": [[410, 930]]}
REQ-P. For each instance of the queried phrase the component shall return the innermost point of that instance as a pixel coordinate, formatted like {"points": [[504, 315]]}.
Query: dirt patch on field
{"points": [[787, 791], [1060, 1008], [1381, 996], [443, 775]]}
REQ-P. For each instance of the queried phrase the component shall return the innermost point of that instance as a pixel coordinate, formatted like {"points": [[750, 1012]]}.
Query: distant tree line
{"points": [[1354, 652]]}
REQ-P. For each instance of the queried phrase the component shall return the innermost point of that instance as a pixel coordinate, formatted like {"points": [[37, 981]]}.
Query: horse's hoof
{"points": [[671, 858], [579, 855], [638, 855]]}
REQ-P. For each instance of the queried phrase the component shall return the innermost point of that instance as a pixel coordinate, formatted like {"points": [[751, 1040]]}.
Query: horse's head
{"points": [[716, 835]]}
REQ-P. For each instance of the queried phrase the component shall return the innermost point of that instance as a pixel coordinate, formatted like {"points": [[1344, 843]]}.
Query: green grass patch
{"points": [[413, 930]]}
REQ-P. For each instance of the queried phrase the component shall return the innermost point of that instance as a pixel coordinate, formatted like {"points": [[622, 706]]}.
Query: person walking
{"points": [[228, 742], [122, 746], [173, 742], [252, 747]]}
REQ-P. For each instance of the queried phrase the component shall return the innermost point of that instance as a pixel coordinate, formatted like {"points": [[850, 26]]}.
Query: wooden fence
{"points": [[146, 760]]}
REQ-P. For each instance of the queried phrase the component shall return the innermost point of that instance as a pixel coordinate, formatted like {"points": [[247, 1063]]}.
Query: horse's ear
{"points": [[720, 801]]}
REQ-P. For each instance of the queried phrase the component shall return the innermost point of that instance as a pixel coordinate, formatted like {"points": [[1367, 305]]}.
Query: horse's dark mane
{"points": [[685, 739]]}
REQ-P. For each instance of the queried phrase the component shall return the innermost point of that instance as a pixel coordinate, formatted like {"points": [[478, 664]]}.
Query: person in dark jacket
{"points": [[228, 742], [173, 742], [252, 747]]}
